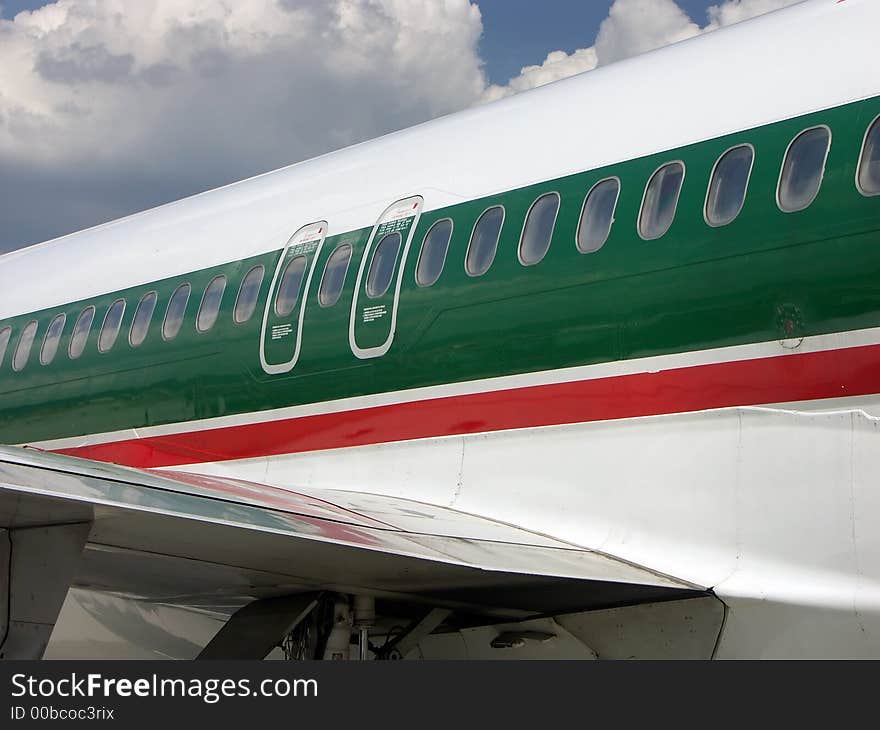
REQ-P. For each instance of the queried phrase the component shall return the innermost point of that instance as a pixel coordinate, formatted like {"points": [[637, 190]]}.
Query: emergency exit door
{"points": [[281, 336], [377, 288]]}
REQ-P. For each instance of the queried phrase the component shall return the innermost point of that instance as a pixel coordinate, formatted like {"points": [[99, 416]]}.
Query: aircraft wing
{"points": [[183, 539]]}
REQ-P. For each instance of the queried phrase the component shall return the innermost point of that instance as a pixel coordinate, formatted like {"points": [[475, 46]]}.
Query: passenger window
{"points": [[484, 241], [538, 229], [333, 278], [210, 306], [5, 334], [110, 328], [52, 338], [143, 315], [25, 343], [248, 294], [728, 185], [598, 215], [382, 265], [869, 165], [176, 311], [288, 289], [803, 169], [433, 254], [81, 332], [660, 201]]}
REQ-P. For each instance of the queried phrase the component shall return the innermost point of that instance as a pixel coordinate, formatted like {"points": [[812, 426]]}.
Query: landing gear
{"points": [[364, 620]]}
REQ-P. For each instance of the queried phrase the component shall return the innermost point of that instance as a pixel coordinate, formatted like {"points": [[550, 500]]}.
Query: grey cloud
{"points": [[39, 202], [322, 11], [211, 63], [160, 74], [71, 109], [79, 63], [25, 124]]}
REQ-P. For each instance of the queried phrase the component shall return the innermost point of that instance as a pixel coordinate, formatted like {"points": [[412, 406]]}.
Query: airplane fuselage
{"points": [[695, 392]]}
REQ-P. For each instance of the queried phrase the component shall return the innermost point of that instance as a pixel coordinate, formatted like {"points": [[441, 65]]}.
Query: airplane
{"points": [[592, 371]]}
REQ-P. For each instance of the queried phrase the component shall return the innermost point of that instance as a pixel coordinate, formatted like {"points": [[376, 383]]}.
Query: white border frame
{"points": [[344, 276], [24, 329], [241, 288], [8, 330], [522, 233], [577, 231], [168, 307], [821, 176], [364, 353], [875, 122], [225, 278], [445, 253], [373, 260], [104, 324], [78, 355], [63, 317], [645, 197], [742, 203], [137, 309], [299, 236], [497, 239]]}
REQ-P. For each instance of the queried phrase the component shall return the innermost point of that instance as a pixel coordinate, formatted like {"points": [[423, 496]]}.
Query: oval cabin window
{"points": [[383, 264], [598, 215], [333, 278], [661, 201], [209, 309], [484, 241], [432, 258], [143, 315], [110, 328], [248, 294], [869, 165], [803, 170], [25, 343], [538, 229], [176, 311], [288, 289], [52, 338], [81, 331], [5, 334], [728, 186]]}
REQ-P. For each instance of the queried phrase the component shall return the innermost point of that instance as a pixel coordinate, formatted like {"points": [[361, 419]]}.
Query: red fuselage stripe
{"points": [[796, 377]]}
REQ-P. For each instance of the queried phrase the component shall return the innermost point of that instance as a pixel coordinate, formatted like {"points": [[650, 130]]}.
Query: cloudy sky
{"points": [[112, 106]]}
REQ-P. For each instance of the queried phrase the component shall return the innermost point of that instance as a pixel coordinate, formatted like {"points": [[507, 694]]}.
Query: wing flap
{"points": [[186, 539]]}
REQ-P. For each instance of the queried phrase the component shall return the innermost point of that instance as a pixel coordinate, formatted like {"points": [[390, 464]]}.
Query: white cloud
{"points": [[557, 65], [632, 27], [733, 11], [167, 97], [636, 26], [81, 79]]}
